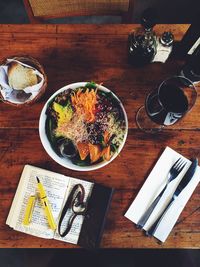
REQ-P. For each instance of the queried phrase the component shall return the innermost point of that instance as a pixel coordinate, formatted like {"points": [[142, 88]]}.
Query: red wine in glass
{"points": [[168, 106]]}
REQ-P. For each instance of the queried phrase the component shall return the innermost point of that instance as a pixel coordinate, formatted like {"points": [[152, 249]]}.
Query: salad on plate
{"points": [[86, 125]]}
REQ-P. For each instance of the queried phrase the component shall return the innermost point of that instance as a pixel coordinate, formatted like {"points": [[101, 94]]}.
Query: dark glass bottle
{"points": [[191, 69], [191, 39], [142, 42]]}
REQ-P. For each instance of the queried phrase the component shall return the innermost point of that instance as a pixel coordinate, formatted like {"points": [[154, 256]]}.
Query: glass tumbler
{"points": [[167, 104]]}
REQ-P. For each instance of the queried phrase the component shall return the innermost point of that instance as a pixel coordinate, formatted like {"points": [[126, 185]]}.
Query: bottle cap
{"points": [[167, 39]]}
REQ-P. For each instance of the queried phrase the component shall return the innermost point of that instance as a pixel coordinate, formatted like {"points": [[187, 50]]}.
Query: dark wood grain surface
{"points": [[73, 53]]}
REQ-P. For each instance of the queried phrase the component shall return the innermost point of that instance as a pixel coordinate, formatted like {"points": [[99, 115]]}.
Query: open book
{"points": [[86, 230]]}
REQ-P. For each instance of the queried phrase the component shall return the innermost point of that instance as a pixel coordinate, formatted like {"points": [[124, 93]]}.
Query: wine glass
{"points": [[167, 104]]}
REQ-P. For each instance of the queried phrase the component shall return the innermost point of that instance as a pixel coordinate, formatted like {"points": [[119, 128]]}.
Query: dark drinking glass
{"points": [[142, 48], [167, 104]]}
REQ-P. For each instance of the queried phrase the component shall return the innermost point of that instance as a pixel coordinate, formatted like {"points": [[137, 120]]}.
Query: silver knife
{"points": [[183, 183]]}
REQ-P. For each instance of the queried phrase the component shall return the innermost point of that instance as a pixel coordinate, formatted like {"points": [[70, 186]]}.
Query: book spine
{"points": [[94, 221]]}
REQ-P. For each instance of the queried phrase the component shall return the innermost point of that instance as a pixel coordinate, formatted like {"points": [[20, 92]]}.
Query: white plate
{"points": [[67, 162]]}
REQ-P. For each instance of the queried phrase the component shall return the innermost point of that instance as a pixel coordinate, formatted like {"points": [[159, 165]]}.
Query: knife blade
{"points": [[186, 178], [182, 184]]}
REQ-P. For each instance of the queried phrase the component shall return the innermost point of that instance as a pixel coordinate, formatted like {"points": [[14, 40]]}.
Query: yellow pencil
{"points": [[29, 210], [45, 203]]}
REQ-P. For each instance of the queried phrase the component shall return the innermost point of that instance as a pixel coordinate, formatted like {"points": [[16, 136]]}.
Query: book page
{"points": [[11, 219], [73, 235], [55, 186]]}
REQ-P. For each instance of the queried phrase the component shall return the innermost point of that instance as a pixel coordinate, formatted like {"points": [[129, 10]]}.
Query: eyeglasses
{"points": [[75, 202]]}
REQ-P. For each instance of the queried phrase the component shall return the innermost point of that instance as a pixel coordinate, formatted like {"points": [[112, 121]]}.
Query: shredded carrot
{"points": [[84, 103]]}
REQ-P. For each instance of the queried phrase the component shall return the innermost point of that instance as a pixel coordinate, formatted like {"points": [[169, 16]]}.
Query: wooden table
{"points": [[72, 53]]}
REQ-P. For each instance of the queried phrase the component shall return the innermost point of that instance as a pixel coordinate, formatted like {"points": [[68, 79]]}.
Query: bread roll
{"points": [[20, 77]]}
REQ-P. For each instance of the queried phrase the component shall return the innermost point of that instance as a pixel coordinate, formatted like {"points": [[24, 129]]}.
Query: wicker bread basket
{"points": [[34, 63]]}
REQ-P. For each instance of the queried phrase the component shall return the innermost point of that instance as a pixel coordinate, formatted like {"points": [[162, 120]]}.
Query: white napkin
{"points": [[162, 52], [152, 187], [7, 91]]}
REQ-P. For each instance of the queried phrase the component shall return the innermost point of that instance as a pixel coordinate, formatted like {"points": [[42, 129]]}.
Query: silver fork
{"points": [[173, 173]]}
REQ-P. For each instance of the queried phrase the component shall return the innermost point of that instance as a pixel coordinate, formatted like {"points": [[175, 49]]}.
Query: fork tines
{"points": [[179, 164]]}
